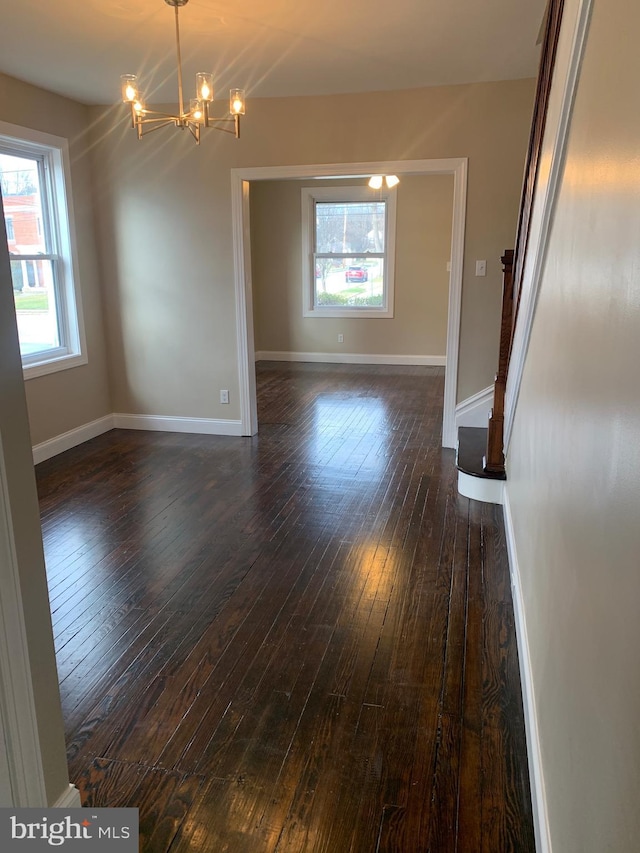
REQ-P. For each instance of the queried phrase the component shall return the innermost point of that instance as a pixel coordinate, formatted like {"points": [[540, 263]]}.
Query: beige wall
{"points": [[574, 462], [61, 401], [165, 225], [17, 480], [423, 248]]}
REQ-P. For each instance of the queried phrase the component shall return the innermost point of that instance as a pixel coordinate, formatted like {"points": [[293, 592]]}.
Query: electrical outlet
{"points": [[224, 396], [340, 339]]}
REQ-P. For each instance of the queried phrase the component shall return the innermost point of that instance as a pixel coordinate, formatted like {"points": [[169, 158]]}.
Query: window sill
{"points": [[53, 365], [350, 313]]}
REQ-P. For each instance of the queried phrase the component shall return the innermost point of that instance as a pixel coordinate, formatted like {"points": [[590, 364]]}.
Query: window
{"points": [[348, 252], [34, 184]]}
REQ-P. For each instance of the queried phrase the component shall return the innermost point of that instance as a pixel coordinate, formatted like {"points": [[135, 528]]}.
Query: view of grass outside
{"points": [[36, 316], [31, 301]]}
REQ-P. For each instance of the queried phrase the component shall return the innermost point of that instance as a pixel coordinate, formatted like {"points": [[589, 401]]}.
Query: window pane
{"points": [[350, 226], [22, 202], [33, 293], [350, 282]]}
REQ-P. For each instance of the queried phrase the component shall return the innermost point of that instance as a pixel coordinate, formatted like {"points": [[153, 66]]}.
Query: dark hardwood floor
{"points": [[301, 641]]}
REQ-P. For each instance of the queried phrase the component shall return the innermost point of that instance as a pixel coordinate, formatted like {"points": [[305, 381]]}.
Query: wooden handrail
{"points": [[552, 23], [513, 260]]}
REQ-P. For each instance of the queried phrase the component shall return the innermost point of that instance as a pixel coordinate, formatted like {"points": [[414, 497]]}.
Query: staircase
{"points": [[481, 454], [474, 481]]}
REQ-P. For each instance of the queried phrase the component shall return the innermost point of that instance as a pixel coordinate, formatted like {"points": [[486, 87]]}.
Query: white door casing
{"points": [[240, 179]]}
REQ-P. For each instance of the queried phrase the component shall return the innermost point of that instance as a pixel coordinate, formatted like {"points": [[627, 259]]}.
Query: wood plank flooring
{"points": [[301, 641]]}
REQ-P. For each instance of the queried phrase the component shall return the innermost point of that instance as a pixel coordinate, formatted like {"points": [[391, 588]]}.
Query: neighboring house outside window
{"points": [[348, 251], [35, 189]]}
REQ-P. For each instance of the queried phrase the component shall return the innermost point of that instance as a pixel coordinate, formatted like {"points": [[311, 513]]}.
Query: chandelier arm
{"points": [[195, 131], [223, 129], [146, 130], [158, 116], [216, 122], [180, 95]]}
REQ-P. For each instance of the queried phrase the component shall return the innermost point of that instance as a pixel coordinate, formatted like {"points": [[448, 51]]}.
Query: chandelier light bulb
{"points": [[196, 111], [236, 102], [204, 86], [375, 182], [129, 84], [392, 180]]}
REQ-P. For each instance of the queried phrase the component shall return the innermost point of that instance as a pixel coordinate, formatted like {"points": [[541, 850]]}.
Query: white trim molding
{"points": [[70, 799], [351, 358], [240, 179], [161, 423], [67, 440], [18, 721], [309, 197], [475, 410], [153, 423], [62, 249], [575, 23], [536, 776], [245, 345]]}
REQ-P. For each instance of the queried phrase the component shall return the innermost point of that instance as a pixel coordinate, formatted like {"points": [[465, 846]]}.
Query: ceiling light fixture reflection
{"points": [[375, 181], [145, 121]]}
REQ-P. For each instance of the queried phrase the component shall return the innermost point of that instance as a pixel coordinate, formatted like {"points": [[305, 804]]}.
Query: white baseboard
{"points": [[155, 423], [351, 358], [160, 423], [475, 410], [70, 439], [70, 799], [536, 776], [481, 488]]}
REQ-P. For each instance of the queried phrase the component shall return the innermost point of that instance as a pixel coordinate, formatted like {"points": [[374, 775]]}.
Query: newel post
{"points": [[493, 462]]}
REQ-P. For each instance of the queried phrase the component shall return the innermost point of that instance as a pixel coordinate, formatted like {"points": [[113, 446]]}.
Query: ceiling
{"points": [[268, 47]]}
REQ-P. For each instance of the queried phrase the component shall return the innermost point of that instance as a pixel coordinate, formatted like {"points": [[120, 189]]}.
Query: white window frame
{"points": [[54, 151], [310, 195]]}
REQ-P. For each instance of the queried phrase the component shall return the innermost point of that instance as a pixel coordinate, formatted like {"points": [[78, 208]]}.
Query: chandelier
{"points": [[197, 116]]}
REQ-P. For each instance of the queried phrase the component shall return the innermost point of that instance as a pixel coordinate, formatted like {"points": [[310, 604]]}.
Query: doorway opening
{"points": [[241, 180]]}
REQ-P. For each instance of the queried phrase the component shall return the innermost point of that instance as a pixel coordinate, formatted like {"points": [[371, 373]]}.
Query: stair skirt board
{"points": [[475, 410], [481, 488]]}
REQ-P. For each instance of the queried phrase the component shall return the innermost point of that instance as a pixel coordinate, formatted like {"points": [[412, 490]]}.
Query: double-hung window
{"points": [[34, 183], [348, 251]]}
